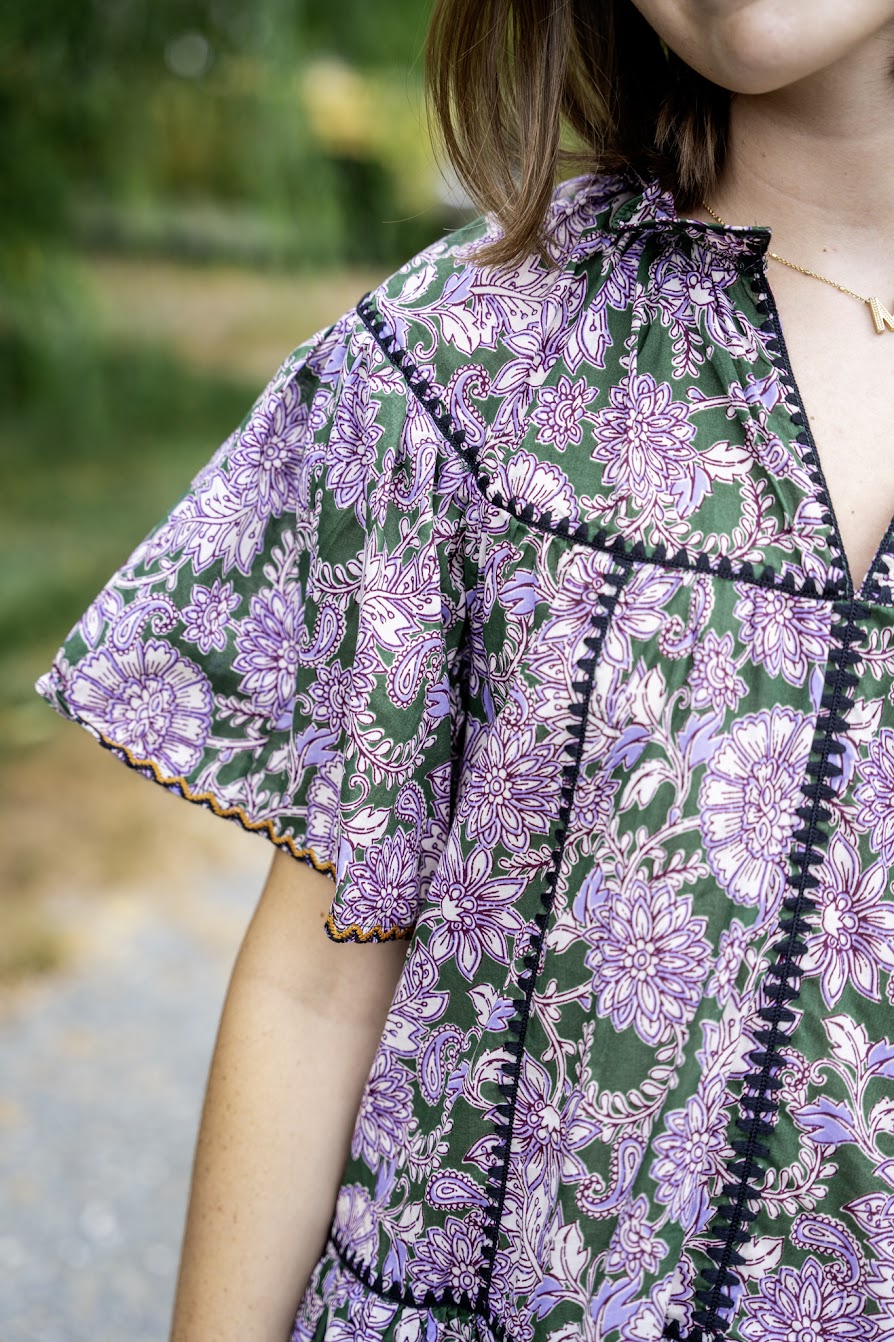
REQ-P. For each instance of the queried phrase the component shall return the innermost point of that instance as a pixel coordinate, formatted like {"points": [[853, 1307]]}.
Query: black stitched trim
{"points": [[781, 986], [777, 352], [596, 538], [399, 1295], [497, 1179], [873, 587]]}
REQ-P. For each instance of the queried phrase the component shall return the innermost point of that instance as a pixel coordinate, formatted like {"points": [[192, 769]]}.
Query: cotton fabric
{"points": [[518, 605]]}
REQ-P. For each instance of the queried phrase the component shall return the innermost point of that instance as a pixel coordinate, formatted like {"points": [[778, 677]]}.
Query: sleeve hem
{"points": [[343, 935], [51, 689]]}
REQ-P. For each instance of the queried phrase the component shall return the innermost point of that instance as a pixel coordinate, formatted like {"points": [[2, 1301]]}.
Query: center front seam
{"points": [[781, 987], [613, 582]]}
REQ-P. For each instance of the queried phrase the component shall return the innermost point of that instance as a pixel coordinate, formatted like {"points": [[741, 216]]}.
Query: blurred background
{"points": [[188, 189]]}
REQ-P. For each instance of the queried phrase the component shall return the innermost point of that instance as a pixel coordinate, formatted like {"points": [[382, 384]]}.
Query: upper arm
{"points": [[286, 945]]}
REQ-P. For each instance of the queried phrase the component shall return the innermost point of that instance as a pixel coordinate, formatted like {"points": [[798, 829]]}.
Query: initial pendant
{"points": [[881, 316]]}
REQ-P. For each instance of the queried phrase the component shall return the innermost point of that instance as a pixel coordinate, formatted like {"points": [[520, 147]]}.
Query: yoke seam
{"points": [[595, 538]]}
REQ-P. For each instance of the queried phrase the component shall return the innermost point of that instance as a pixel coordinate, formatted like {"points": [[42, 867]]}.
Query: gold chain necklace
{"points": [[882, 318]]}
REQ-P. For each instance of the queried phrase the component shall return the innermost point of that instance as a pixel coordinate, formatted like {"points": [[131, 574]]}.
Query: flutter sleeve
{"points": [[285, 646]]}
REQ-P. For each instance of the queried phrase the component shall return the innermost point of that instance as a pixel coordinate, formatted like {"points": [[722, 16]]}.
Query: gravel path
{"points": [[103, 1069]]}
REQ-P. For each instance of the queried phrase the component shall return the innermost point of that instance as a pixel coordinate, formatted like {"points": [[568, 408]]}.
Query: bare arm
{"points": [[298, 1032]]}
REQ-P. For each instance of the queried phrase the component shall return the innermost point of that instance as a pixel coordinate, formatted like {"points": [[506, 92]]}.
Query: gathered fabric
{"points": [[518, 605]]}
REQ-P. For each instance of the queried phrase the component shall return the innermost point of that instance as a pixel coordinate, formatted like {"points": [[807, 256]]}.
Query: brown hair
{"points": [[521, 89]]}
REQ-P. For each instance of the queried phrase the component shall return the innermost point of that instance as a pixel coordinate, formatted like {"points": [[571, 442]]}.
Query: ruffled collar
{"points": [[635, 206]]}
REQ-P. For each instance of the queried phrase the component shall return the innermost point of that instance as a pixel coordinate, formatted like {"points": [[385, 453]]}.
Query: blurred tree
{"points": [[109, 102]]}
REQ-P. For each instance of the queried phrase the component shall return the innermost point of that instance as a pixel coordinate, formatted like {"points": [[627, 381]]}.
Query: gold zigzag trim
{"points": [[355, 933], [338, 934]]}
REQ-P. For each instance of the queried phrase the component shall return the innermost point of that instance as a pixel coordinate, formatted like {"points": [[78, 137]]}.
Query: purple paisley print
{"points": [[714, 681], [875, 795], [561, 411], [476, 911], [854, 936], [749, 801], [386, 1109], [206, 618], [149, 699], [644, 438], [783, 633], [689, 1151], [810, 1305], [512, 789], [448, 1258], [515, 609], [649, 959], [386, 882], [267, 655]]}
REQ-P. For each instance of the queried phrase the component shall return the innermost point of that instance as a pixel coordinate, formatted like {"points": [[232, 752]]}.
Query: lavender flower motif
{"points": [[475, 912], [733, 945], [639, 613], [549, 1131], [560, 411], [854, 924], [267, 655], [354, 1222], [352, 447], [749, 799], [324, 807], [449, 1259], [264, 465], [417, 1003], [511, 790], [207, 616], [149, 699], [648, 958], [786, 634], [713, 680], [644, 439], [386, 1108], [634, 1247], [385, 885], [690, 1153], [542, 484], [330, 694], [368, 1320], [536, 347], [875, 795], [810, 1304]]}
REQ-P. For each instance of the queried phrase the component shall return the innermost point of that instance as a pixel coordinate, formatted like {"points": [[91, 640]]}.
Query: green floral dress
{"points": [[518, 605]]}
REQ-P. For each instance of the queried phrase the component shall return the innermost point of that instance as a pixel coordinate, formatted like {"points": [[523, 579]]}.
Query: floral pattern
{"points": [[516, 604]]}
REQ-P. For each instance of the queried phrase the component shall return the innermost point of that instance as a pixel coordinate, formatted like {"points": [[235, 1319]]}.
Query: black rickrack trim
{"points": [[777, 352], [781, 986], [396, 1294], [596, 538], [497, 1179], [873, 588]]}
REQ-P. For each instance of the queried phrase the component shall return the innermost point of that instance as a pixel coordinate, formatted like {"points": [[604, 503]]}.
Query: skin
{"points": [[810, 156], [299, 1029]]}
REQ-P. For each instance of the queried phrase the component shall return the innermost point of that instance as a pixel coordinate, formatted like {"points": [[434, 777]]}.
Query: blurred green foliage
{"points": [[110, 107], [268, 133]]}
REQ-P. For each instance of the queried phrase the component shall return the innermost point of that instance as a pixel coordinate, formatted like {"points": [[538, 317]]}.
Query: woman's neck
{"points": [[815, 162]]}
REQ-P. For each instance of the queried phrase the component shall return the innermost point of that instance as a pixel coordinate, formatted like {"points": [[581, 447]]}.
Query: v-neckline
{"points": [[867, 589]]}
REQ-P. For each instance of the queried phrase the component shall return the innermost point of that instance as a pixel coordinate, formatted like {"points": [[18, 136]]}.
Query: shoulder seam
{"points": [[417, 383]]}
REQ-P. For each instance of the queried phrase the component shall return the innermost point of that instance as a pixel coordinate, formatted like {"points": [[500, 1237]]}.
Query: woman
{"points": [[529, 607]]}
